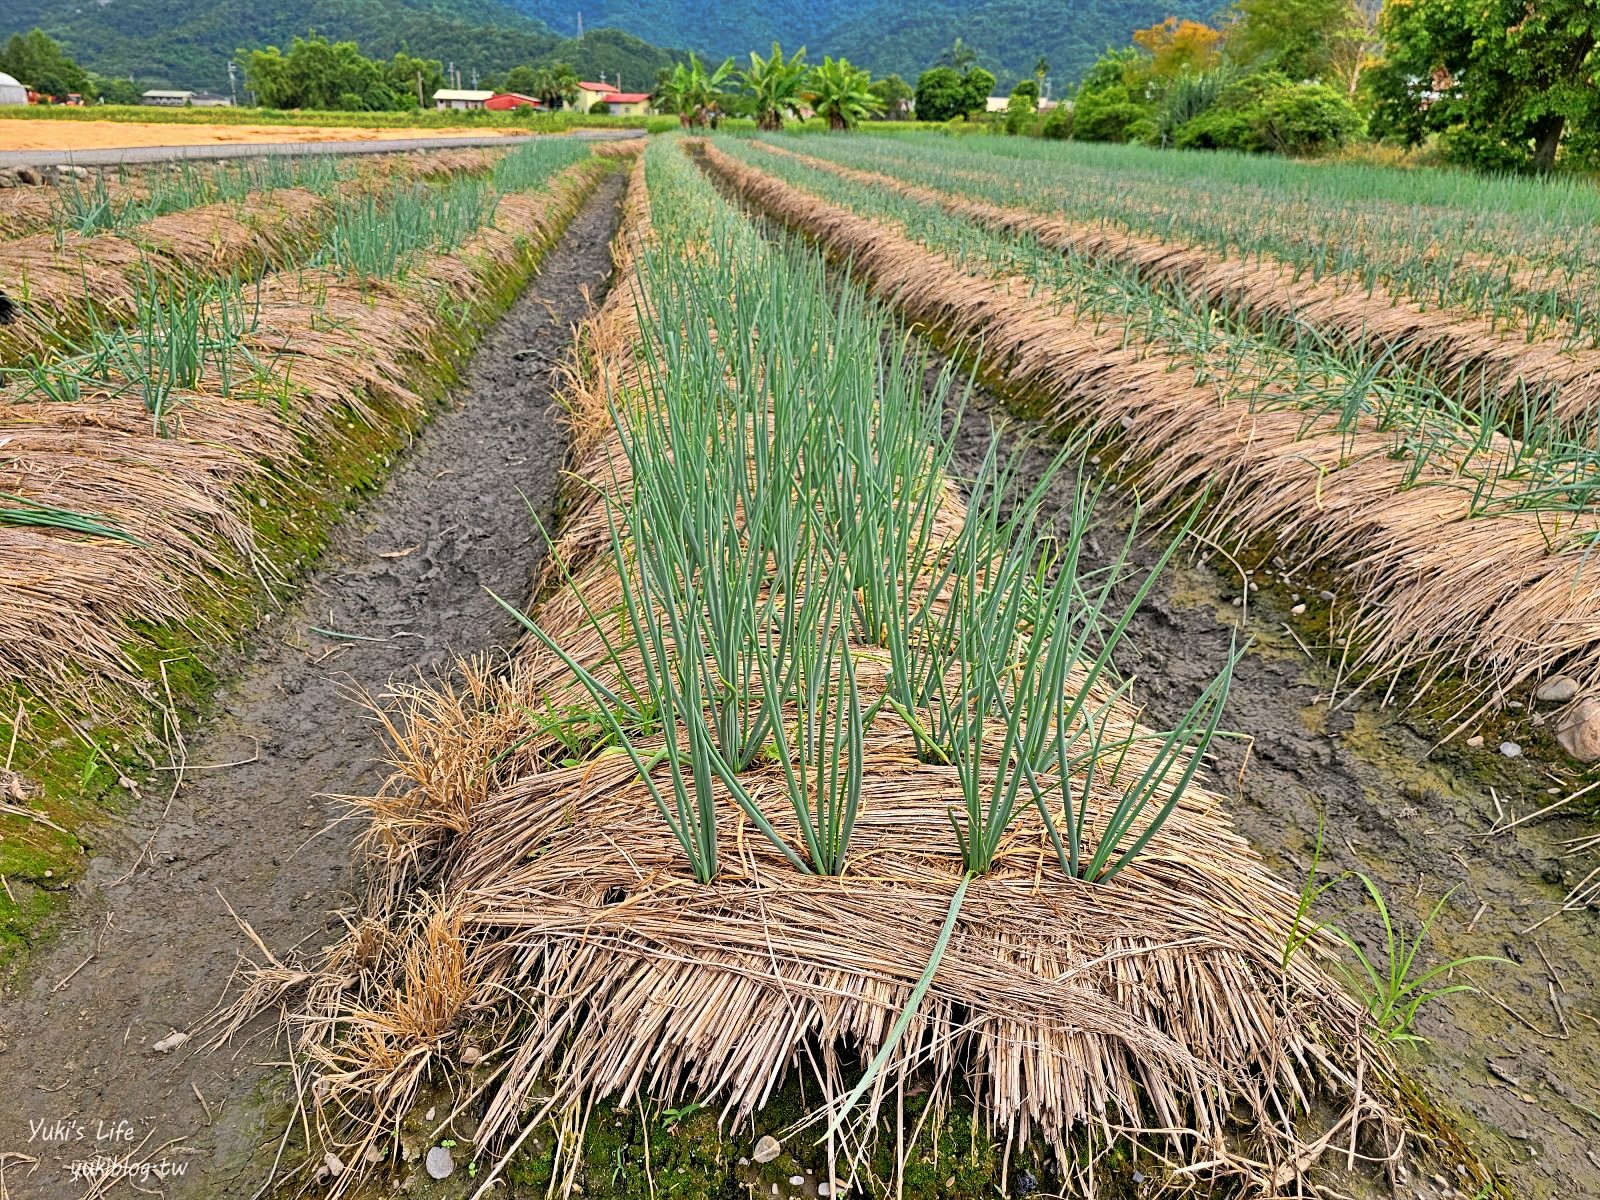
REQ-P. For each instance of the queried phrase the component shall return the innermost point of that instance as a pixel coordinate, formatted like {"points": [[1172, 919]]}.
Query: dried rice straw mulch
{"points": [[1460, 350], [545, 912], [1495, 600], [340, 356], [58, 288]]}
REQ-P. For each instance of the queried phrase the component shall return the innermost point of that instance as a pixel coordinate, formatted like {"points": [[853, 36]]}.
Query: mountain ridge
{"points": [[1009, 36], [189, 44]]}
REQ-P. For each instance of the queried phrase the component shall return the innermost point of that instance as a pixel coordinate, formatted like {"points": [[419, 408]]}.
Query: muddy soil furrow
{"points": [[401, 592], [1520, 1078]]}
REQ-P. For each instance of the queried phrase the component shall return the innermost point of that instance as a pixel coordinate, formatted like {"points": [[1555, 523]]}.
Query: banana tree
{"points": [[774, 86], [841, 92]]}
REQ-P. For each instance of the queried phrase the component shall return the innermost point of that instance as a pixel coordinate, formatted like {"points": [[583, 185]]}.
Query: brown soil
{"points": [[23, 134], [402, 591]]}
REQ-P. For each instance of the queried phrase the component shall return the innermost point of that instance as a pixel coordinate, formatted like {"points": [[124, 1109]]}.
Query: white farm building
{"points": [[12, 92]]}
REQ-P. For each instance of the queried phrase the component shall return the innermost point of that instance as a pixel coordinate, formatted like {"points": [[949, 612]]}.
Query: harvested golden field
{"points": [[69, 136]]}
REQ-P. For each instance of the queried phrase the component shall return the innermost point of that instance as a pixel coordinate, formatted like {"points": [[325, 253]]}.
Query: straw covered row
{"points": [[329, 364], [1497, 599], [1494, 368]]}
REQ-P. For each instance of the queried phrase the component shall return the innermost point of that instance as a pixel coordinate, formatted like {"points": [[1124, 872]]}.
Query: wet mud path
{"points": [[399, 595], [1516, 1065]]}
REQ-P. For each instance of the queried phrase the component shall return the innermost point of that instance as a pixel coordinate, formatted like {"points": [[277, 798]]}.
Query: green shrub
{"points": [[1481, 151], [1105, 115], [1058, 125], [1219, 129], [599, 108], [1305, 119], [1021, 106], [1144, 130]]}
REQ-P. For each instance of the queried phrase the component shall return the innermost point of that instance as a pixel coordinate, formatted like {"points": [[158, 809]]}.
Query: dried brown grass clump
{"points": [[1498, 600], [24, 210], [1488, 366], [330, 360], [442, 164], [542, 911]]}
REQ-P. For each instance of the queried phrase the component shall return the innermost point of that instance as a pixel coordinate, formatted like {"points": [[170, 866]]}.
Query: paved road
{"points": [[114, 156]]}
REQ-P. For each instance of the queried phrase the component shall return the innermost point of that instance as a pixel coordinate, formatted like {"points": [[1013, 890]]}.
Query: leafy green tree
{"points": [[841, 92], [1022, 106], [941, 94], [402, 73], [892, 93], [522, 80], [774, 86], [979, 87], [1305, 39], [118, 91], [318, 74], [36, 60], [1501, 82]]}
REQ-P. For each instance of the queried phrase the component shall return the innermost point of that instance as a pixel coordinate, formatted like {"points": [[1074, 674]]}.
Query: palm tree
{"points": [[556, 85], [842, 92], [775, 86], [960, 56]]}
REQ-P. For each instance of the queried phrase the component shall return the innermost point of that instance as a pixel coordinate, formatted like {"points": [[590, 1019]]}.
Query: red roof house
{"points": [[501, 101]]}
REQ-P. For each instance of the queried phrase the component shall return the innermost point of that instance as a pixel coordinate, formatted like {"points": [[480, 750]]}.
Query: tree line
{"points": [[1489, 84]]}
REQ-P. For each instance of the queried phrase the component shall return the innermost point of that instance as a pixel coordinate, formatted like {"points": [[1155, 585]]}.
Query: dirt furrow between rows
{"points": [[402, 591]]}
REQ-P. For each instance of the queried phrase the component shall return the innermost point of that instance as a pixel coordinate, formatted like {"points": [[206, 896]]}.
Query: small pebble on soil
{"points": [[1557, 690], [440, 1164]]}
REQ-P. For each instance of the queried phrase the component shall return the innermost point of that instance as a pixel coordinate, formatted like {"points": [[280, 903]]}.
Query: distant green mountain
{"points": [[1010, 36], [188, 43]]}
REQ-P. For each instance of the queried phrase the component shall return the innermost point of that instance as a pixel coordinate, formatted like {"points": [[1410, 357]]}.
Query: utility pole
{"points": [[233, 90], [474, 78], [422, 101], [580, 23]]}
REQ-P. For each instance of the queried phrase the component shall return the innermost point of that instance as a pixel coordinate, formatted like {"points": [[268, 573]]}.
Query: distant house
{"points": [[167, 99], [631, 104], [12, 92], [590, 94], [504, 101], [211, 100], [997, 104], [460, 98], [628, 104]]}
